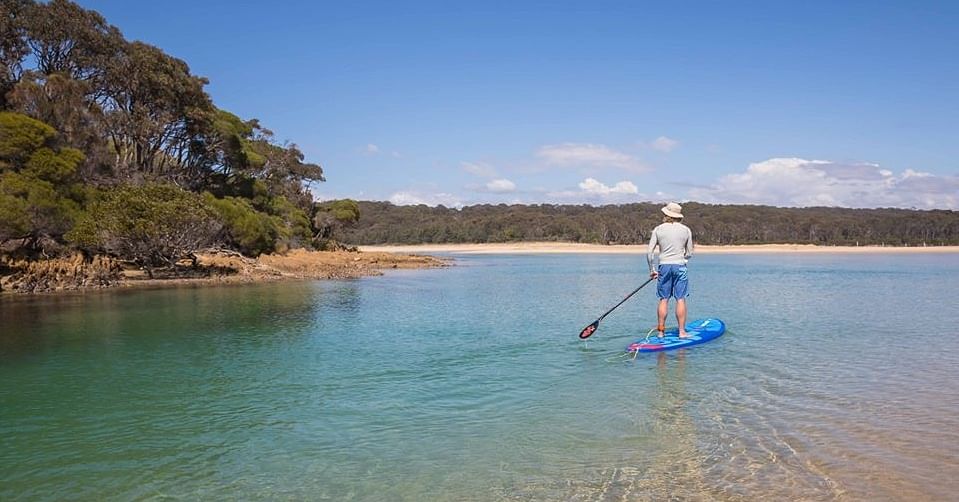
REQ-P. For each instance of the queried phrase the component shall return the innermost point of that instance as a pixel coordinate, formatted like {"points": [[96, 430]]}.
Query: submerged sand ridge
{"points": [[571, 247]]}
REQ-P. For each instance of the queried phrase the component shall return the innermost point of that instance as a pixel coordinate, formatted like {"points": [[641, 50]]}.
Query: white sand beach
{"points": [[570, 247]]}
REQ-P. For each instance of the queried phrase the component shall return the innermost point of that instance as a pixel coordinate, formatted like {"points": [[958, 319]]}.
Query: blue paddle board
{"points": [[699, 331]]}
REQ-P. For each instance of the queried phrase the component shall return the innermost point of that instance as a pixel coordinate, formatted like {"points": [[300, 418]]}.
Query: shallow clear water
{"points": [[838, 379]]}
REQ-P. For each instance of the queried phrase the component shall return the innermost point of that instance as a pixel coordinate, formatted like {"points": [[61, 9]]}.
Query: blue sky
{"points": [[849, 103]]}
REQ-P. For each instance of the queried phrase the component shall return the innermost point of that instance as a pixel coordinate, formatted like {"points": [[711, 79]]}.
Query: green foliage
{"points": [[236, 141], [136, 119], [66, 38], [251, 231], [55, 167], [261, 226], [332, 216], [631, 223], [132, 115], [158, 114], [15, 220], [345, 211], [31, 207], [293, 223], [152, 224], [37, 194], [63, 103], [21, 136]]}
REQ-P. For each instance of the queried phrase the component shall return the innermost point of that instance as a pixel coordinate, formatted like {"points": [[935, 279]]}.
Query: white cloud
{"points": [[501, 186], [664, 144], [592, 191], [590, 185], [799, 182], [371, 149], [404, 198], [480, 169], [589, 155]]}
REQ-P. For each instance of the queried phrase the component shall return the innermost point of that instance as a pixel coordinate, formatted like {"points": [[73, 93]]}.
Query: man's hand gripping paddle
{"points": [[589, 330]]}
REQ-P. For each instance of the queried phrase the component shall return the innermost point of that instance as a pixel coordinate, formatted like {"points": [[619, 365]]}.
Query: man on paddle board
{"points": [[675, 242]]}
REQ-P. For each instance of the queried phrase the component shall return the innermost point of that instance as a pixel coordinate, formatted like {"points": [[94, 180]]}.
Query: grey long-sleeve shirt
{"points": [[675, 242]]}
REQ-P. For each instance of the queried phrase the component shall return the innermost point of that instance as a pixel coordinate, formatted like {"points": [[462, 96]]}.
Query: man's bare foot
{"points": [[685, 335]]}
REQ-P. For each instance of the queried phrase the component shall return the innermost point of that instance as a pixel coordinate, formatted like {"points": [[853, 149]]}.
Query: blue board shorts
{"points": [[672, 282]]}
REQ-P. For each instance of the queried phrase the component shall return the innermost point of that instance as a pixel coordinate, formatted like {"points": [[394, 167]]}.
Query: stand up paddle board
{"points": [[699, 331]]}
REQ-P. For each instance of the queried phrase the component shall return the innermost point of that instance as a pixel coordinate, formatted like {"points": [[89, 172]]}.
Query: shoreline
{"points": [[578, 248], [59, 276], [74, 274]]}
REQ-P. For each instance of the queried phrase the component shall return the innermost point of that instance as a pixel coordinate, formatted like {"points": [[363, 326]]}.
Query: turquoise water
{"points": [[838, 379]]}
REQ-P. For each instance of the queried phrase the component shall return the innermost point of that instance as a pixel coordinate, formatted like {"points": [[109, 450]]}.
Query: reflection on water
{"points": [[469, 383], [673, 465], [45, 323]]}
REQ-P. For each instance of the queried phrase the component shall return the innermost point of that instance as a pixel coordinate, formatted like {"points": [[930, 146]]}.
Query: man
{"points": [[675, 242]]}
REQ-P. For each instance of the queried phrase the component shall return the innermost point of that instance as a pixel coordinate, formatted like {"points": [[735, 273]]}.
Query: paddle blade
{"points": [[589, 330]]}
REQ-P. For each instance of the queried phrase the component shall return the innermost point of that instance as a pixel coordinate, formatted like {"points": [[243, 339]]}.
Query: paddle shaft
{"points": [[624, 299]]}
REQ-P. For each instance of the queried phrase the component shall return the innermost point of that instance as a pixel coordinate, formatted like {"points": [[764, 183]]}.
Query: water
{"points": [[838, 380]]}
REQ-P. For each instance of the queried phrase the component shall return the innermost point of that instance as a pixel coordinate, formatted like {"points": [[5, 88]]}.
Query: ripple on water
{"points": [[468, 384]]}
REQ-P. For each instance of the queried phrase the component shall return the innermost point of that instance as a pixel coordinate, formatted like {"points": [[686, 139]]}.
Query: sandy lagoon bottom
{"points": [[468, 383]]}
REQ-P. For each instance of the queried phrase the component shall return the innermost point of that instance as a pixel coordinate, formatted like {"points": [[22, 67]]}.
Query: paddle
{"points": [[589, 330]]}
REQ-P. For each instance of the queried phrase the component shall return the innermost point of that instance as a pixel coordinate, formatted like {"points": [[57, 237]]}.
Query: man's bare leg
{"points": [[681, 317], [661, 312]]}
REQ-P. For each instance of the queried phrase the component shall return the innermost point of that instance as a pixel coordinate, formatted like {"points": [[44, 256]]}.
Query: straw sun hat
{"points": [[673, 210]]}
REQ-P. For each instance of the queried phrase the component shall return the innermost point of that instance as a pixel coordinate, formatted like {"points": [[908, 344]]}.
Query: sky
{"points": [[814, 103]]}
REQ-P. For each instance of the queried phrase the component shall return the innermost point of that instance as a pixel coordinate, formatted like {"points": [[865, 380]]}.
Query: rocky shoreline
{"points": [[77, 273]]}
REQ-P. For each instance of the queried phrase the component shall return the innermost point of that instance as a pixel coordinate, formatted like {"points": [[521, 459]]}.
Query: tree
{"points": [[68, 39], [13, 44], [244, 150], [158, 116], [293, 223], [103, 135], [61, 102], [245, 228], [331, 216], [630, 224], [233, 142]]}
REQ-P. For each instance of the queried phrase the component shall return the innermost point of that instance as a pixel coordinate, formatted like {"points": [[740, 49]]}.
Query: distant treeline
{"points": [[385, 223], [113, 146]]}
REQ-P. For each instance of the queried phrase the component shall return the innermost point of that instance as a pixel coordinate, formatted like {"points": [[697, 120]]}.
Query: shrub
{"points": [[292, 222], [249, 230], [152, 224], [20, 136], [38, 197]]}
